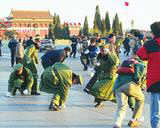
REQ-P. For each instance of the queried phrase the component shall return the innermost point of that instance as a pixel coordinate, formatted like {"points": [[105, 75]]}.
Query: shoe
{"points": [[8, 94], [99, 104], [133, 123], [116, 126], [54, 108], [86, 90], [35, 93]]}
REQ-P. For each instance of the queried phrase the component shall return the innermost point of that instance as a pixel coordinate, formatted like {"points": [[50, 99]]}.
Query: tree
{"points": [[116, 25], [57, 29], [103, 27], [107, 22], [97, 20], [120, 28], [85, 27], [50, 32]]}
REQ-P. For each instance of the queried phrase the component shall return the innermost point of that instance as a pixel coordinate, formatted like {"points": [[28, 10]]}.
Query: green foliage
{"points": [[85, 27], [97, 21], [107, 22], [116, 25]]}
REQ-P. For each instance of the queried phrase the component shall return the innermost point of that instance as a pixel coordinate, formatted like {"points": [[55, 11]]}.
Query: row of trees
{"points": [[103, 26], [100, 26]]}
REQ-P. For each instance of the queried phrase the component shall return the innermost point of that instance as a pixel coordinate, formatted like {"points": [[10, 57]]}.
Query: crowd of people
{"points": [[120, 81]]}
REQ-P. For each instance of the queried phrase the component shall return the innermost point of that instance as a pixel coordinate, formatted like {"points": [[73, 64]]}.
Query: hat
{"points": [[18, 66], [155, 27]]}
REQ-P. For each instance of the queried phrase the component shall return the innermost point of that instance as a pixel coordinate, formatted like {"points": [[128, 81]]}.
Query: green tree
{"points": [[107, 22], [57, 28], [103, 27], [116, 25], [121, 28], [85, 27], [97, 20], [50, 32]]}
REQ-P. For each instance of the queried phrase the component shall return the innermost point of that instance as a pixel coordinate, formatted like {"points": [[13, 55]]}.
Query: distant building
{"points": [[30, 23], [74, 28]]}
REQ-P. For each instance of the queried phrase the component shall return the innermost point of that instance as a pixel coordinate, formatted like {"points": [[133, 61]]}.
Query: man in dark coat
{"points": [[53, 56], [12, 45]]}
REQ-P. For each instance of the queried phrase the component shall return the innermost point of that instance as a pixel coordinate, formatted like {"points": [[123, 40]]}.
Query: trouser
{"points": [[129, 89], [13, 52], [35, 84], [93, 61], [59, 97], [92, 81], [0, 51], [73, 53], [155, 110], [84, 60]]}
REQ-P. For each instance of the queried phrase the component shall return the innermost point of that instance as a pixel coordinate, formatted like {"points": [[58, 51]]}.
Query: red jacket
{"points": [[150, 52]]}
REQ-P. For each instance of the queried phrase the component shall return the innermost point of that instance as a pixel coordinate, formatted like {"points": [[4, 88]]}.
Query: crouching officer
{"points": [[57, 80], [20, 79]]}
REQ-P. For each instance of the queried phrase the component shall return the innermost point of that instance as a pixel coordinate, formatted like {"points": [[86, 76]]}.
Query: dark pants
{"points": [[13, 53], [74, 51], [0, 51], [85, 60], [92, 81]]}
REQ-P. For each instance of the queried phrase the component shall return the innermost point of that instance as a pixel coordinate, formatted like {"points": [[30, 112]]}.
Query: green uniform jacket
{"points": [[31, 59], [26, 80], [52, 81], [102, 89]]}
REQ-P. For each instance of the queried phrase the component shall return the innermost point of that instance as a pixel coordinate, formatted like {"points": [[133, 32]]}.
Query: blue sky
{"points": [[143, 12]]}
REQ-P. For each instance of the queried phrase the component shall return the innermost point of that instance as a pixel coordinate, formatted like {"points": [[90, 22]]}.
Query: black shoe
{"points": [[35, 93], [86, 90], [54, 108]]}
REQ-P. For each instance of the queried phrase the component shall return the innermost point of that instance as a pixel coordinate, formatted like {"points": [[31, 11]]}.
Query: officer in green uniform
{"points": [[57, 80], [30, 60], [21, 78], [101, 89]]}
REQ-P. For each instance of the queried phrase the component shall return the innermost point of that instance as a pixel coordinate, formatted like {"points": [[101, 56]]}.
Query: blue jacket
{"points": [[12, 44], [93, 51], [53, 56]]}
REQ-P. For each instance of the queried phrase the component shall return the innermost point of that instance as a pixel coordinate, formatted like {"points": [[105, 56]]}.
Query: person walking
{"points": [[12, 46], [129, 83], [19, 52], [150, 52], [30, 60], [0, 47]]}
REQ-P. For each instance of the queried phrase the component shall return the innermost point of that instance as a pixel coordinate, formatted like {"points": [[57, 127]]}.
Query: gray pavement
{"points": [[32, 111]]}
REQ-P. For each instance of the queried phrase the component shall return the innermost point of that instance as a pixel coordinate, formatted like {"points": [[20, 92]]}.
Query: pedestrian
{"points": [[150, 52], [30, 60], [0, 47], [20, 79], [102, 82], [12, 46], [29, 42], [74, 41], [53, 56], [93, 52], [85, 54], [129, 83], [19, 52], [57, 80]]}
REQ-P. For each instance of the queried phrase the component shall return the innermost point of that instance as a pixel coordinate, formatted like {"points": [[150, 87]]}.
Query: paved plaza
{"points": [[32, 111]]}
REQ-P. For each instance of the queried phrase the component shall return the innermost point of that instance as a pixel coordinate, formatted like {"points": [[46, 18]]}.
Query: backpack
{"points": [[127, 67]]}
